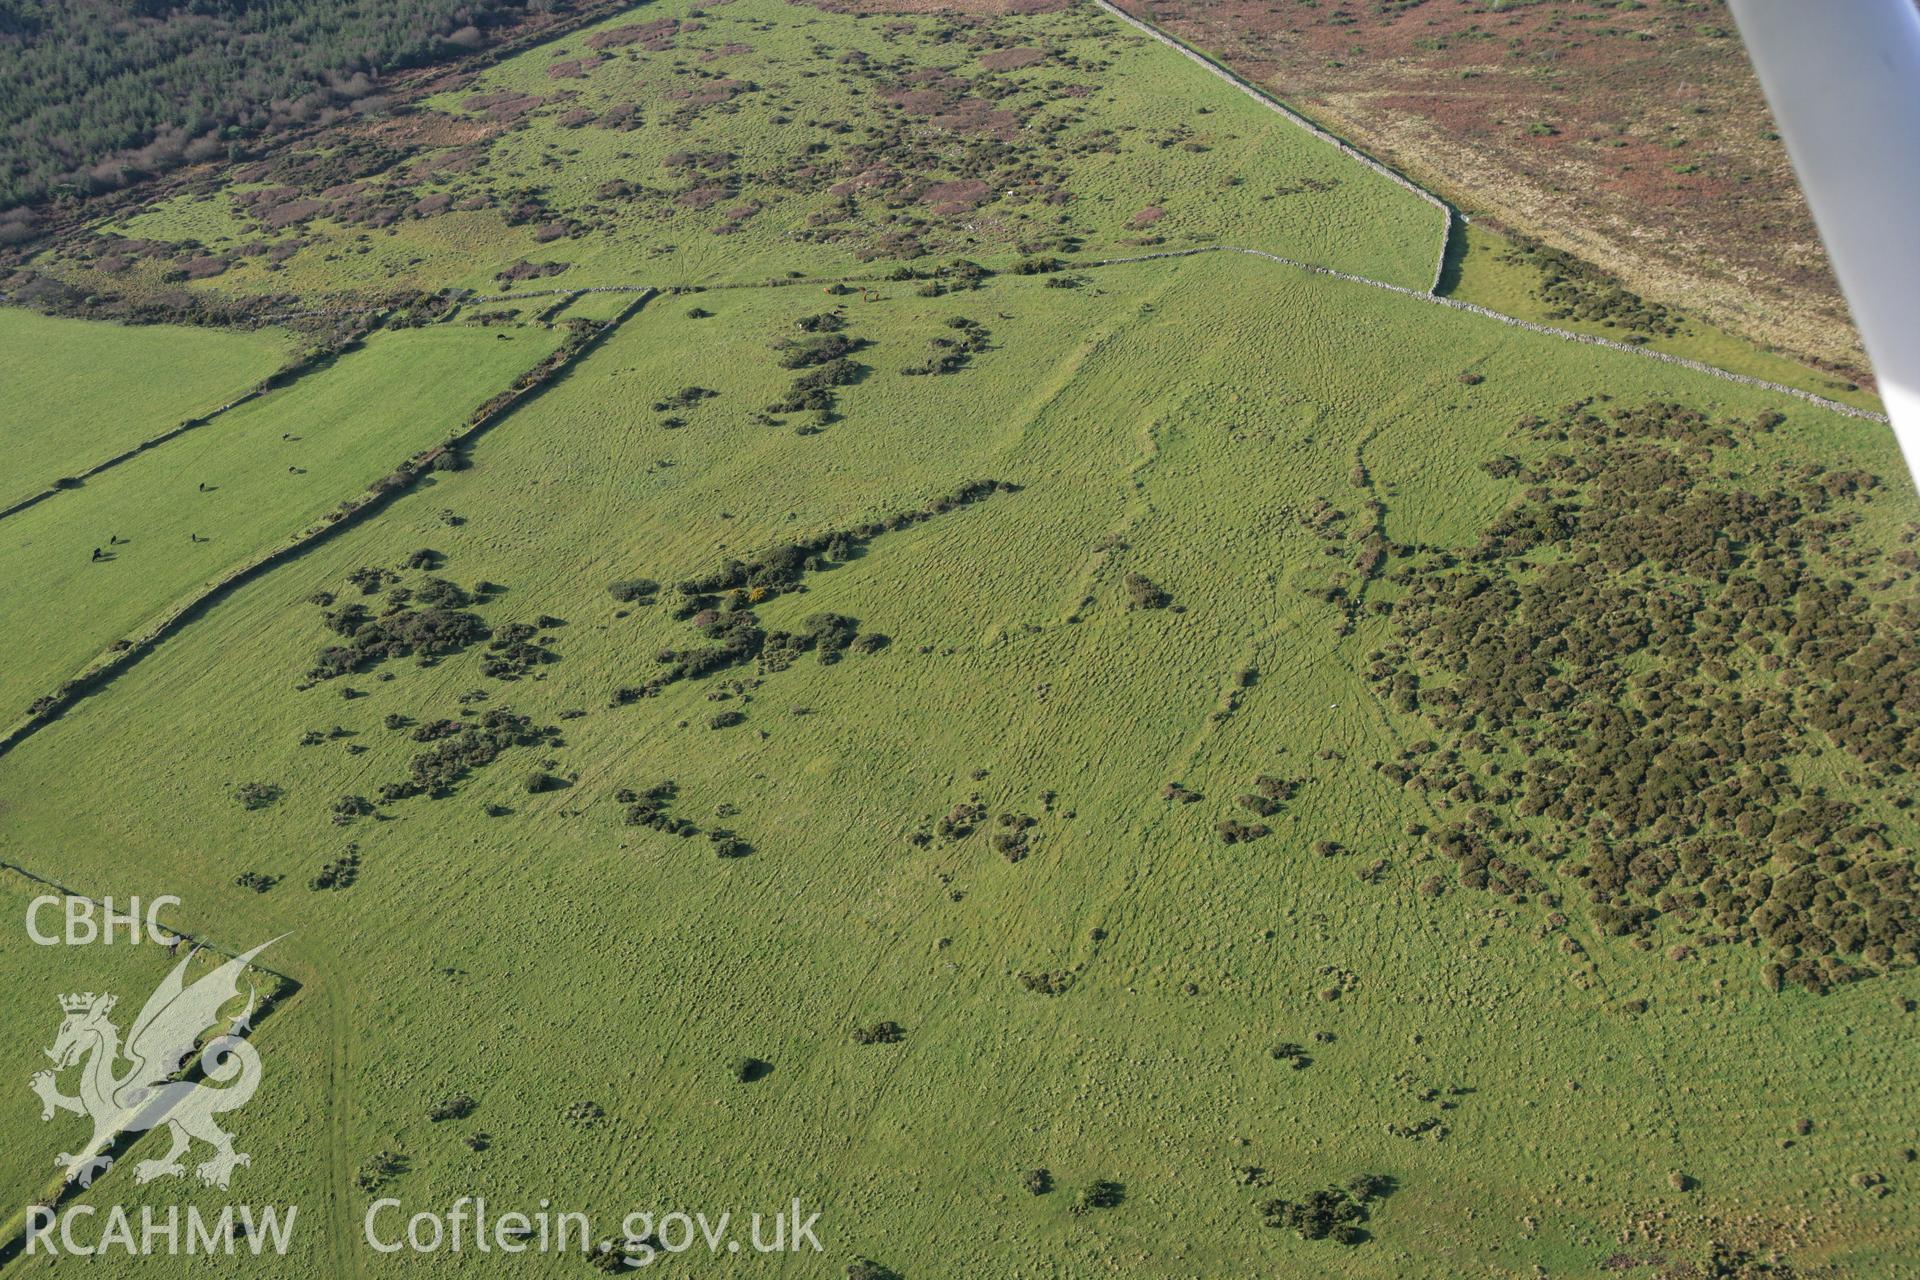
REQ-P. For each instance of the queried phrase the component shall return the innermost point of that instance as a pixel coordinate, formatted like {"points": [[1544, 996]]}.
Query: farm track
{"points": [[103, 670], [340, 1242]]}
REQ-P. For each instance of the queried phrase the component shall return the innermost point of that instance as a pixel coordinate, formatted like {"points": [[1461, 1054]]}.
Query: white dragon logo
{"points": [[146, 1094]]}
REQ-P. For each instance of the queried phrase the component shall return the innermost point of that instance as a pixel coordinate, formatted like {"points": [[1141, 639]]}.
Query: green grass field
{"points": [[1000, 816], [269, 467], [551, 955], [90, 391]]}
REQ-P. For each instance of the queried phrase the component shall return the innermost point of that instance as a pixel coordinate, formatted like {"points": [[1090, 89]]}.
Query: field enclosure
{"points": [[170, 520], [1188, 766], [90, 392], [1017, 641], [1632, 134]]}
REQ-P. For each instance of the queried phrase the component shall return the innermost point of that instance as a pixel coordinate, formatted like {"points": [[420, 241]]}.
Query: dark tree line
{"points": [[104, 92]]}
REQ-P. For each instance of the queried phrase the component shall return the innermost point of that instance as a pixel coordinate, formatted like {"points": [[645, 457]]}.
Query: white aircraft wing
{"points": [[1843, 79]]}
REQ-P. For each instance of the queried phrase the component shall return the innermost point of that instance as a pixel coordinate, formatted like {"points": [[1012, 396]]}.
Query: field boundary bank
{"points": [[1293, 117], [459, 299], [776, 282], [278, 380], [103, 670], [1474, 308], [1429, 296]]}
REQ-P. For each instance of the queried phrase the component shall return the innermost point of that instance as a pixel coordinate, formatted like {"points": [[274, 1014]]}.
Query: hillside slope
{"points": [[1065, 750]]}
